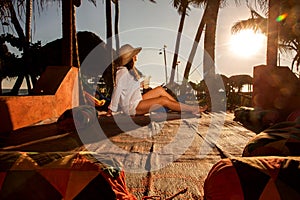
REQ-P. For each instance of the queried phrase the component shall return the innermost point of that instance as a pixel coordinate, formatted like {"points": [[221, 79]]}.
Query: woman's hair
{"points": [[132, 70], [130, 65]]}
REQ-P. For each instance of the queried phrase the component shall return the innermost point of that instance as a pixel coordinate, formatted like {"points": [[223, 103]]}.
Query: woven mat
{"points": [[170, 159], [163, 156]]}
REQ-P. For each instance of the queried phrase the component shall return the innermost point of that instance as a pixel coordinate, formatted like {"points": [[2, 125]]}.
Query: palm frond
{"points": [[94, 2], [255, 14], [179, 4], [263, 5], [255, 24], [198, 3], [152, 1], [176, 3]]}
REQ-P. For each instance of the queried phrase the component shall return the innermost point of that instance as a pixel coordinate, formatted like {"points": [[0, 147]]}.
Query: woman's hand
{"points": [[109, 113]]}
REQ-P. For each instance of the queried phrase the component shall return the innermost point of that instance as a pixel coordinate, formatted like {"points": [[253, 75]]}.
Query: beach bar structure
{"points": [[55, 91]]}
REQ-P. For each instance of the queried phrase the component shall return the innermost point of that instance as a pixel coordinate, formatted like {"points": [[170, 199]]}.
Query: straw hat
{"points": [[126, 53]]}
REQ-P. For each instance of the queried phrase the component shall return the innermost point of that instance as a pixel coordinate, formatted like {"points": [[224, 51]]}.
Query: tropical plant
{"points": [[272, 8], [8, 13], [211, 9], [289, 29], [182, 7]]}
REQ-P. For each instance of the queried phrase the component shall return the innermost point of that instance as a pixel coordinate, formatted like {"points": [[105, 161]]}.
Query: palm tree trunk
{"points": [[28, 39], [195, 46], [108, 22], [21, 35], [15, 21], [109, 34], [179, 33], [17, 85], [28, 22], [117, 13], [29, 4], [210, 37], [67, 52], [272, 41], [1, 79]]}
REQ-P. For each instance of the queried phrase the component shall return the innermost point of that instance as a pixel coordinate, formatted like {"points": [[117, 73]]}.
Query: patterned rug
{"points": [[163, 156]]}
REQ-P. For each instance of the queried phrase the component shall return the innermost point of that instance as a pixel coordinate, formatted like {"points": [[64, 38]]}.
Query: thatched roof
{"points": [[240, 80]]}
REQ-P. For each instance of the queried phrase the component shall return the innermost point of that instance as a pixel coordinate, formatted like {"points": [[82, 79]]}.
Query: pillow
{"points": [[256, 120], [77, 118], [260, 178], [282, 139]]}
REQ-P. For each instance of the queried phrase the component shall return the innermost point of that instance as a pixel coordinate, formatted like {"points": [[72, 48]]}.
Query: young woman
{"points": [[127, 95]]}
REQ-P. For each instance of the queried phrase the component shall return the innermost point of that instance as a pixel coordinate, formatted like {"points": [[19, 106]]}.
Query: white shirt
{"points": [[126, 92]]}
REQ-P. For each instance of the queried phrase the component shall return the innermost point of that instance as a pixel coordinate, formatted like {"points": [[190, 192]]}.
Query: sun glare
{"points": [[246, 43]]}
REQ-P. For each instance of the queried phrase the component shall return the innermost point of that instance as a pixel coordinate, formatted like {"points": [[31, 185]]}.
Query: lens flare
{"points": [[281, 17]]}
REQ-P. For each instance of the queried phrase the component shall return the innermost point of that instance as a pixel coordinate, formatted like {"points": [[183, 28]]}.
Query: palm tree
{"points": [[289, 35], [209, 22], [196, 43], [182, 6], [273, 9], [7, 10], [28, 40], [210, 37], [117, 13], [272, 41]]}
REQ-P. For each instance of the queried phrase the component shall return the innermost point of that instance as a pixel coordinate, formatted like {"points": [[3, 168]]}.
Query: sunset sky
{"points": [[152, 26]]}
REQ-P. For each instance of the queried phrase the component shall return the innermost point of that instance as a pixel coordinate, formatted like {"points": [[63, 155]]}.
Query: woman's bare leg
{"points": [[147, 105], [157, 92]]}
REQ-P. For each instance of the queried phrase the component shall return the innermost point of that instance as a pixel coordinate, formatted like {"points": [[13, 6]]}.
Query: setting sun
{"points": [[246, 43]]}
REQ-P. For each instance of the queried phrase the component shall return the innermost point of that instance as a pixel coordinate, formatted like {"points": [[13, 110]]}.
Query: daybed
{"points": [[161, 155]]}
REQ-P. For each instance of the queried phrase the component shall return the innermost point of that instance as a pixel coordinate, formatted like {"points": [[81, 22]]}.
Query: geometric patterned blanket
{"points": [[282, 139], [59, 175], [249, 178]]}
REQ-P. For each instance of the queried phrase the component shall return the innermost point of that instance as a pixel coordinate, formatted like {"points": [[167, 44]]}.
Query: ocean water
{"points": [[21, 91]]}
